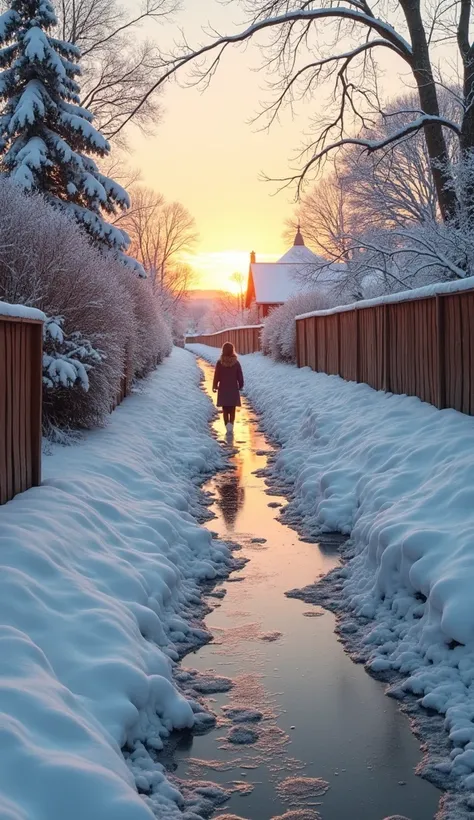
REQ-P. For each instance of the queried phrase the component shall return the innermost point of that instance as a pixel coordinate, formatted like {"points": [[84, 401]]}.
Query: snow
{"points": [[277, 282], [300, 255], [368, 21], [21, 312], [30, 106], [7, 21], [37, 45], [31, 157], [226, 330], [82, 126], [401, 296], [99, 572], [397, 476]]}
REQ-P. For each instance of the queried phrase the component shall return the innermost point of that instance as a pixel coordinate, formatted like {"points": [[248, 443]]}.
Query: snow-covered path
{"points": [[99, 572], [397, 475], [321, 728]]}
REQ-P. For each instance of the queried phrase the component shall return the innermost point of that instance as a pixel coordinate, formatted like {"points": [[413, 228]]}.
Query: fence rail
{"points": [[244, 339], [21, 351], [422, 347]]}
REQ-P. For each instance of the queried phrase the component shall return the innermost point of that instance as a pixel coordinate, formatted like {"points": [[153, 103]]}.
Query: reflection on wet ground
{"points": [[230, 496], [309, 731]]}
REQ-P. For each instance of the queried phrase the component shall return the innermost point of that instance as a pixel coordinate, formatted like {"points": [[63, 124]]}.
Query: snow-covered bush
{"points": [[279, 330], [152, 340], [47, 262]]}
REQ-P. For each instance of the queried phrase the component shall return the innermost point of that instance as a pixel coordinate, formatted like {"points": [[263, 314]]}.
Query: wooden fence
{"points": [[421, 347], [244, 339], [21, 352]]}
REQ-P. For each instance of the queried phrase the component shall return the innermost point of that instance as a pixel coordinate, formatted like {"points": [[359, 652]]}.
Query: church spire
{"points": [[299, 236]]}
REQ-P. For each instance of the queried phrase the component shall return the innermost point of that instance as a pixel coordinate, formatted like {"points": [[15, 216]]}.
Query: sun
{"points": [[216, 269]]}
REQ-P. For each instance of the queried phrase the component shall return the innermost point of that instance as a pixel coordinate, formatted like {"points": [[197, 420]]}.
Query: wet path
{"points": [[329, 742]]}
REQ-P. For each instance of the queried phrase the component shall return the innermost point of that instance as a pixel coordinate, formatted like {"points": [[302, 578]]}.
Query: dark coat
{"points": [[228, 380]]}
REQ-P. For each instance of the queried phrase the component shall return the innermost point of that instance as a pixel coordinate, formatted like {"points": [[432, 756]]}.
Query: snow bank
{"points": [[402, 296], [398, 476], [21, 312], [98, 573], [224, 330]]}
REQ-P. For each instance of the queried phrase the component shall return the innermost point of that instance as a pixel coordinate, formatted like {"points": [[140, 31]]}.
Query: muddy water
{"points": [[329, 741]]}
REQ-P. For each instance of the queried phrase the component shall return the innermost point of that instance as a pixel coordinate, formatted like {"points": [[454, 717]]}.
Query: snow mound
{"points": [[21, 312], [98, 580]]}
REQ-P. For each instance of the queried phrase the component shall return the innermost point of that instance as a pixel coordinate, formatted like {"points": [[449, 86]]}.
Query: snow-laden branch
{"points": [[353, 13], [370, 145], [316, 66]]}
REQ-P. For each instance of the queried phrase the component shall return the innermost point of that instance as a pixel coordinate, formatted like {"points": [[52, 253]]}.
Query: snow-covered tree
{"points": [[47, 139]]}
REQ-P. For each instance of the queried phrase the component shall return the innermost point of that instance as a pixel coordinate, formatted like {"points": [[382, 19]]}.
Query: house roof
{"points": [[275, 282]]}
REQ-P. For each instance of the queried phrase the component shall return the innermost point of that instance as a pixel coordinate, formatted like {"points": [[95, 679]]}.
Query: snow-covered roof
{"points": [[300, 255], [276, 282], [21, 312]]}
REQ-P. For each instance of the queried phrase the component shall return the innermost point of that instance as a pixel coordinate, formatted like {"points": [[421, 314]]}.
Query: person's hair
{"points": [[228, 349]]}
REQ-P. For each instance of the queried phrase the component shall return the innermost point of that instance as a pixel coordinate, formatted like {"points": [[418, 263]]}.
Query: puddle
{"points": [[307, 731]]}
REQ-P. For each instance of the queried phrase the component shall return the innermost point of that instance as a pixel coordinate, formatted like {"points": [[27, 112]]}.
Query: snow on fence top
{"points": [[21, 312], [403, 296], [226, 330]]}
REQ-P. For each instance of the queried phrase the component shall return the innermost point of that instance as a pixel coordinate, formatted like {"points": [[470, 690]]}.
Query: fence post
{"points": [[357, 345], [326, 352], [386, 349], [36, 352], [339, 353], [440, 344]]}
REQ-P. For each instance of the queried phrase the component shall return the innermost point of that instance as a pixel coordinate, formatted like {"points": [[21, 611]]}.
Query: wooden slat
{"points": [[467, 364], [24, 433], [468, 326], [332, 344], [3, 411], [36, 405], [9, 411], [29, 339]]}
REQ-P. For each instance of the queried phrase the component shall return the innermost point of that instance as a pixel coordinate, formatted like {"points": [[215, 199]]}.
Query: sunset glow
{"points": [[214, 269]]}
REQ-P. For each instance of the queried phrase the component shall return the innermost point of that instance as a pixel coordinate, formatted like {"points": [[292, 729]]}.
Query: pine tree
{"points": [[46, 137]]}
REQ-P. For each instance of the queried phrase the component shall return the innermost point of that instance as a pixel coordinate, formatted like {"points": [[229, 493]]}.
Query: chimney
{"points": [[252, 257]]}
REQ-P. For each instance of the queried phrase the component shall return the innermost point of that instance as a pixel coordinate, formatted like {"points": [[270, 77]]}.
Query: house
{"points": [[271, 284]]}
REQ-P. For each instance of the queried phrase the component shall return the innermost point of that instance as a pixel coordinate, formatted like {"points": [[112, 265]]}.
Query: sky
{"points": [[207, 155]]}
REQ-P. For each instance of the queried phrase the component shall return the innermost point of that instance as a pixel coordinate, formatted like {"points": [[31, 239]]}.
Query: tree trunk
{"points": [[434, 136], [467, 129]]}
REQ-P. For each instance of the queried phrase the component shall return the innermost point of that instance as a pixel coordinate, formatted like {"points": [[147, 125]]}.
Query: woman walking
{"points": [[228, 382]]}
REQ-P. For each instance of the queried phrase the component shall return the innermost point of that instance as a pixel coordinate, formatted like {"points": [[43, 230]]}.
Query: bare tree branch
{"points": [[118, 70]]}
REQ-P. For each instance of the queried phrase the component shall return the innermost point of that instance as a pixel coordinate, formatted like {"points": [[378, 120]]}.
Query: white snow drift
{"points": [[98, 568], [21, 312], [398, 476]]}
